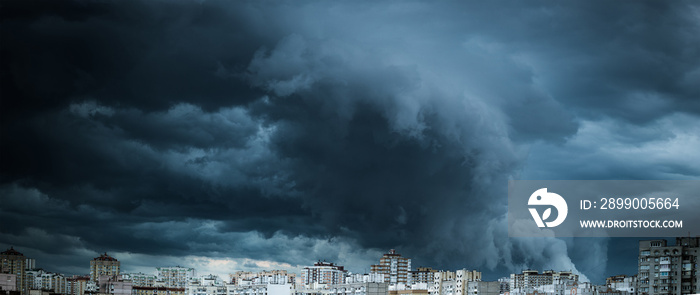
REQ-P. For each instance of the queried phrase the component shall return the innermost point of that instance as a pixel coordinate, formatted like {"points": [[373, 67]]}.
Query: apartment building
{"points": [[104, 265], [323, 273], [422, 275], [394, 267], [14, 262], [452, 282], [140, 279], [531, 279], [668, 269], [176, 276]]}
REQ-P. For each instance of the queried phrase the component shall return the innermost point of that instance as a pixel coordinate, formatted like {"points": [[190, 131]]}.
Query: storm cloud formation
{"points": [[273, 134]]}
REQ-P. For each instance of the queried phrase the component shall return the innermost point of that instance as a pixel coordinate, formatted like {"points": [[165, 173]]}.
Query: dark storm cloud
{"points": [[291, 133]]}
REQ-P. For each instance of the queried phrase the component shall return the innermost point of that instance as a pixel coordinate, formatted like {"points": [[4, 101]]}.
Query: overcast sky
{"points": [[247, 135]]}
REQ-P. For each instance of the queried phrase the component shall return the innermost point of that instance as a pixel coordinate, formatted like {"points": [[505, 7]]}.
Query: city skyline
{"points": [[269, 134]]}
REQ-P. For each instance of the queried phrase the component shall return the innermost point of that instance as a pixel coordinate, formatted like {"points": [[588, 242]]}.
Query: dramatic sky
{"points": [[245, 135]]}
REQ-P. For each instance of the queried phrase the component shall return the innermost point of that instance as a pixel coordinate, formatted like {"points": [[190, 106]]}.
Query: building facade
{"points": [[323, 273], [422, 275], [103, 265], [668, 269], [140, 279], [176, 276], [394, 267], [531, 279], [14, 262]]}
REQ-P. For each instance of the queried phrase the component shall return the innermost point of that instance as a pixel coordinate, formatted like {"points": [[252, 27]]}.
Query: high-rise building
{"points": [[14, 262], [665, 269], [176, 276], [394, 267], [103, 265], [323, 273]]}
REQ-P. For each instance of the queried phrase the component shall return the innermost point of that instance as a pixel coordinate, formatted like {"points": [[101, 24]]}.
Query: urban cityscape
{"points": [[663, 268]]}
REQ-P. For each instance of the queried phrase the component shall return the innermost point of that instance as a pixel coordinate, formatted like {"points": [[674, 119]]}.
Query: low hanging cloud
{"points": [[247, 134]]}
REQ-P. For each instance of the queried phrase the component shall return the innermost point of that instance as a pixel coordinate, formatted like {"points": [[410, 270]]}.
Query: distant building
{"points": [[482, 288], [422, 275], [394, 267], [140, 279], [80, 285], [504, 285], [452, 282], [114, 285], [141, 290], [364, 278], [323, 273], [14, 262], [176, 276], [262, 277], [38, 279], [355, 289], [8, 282], [531, 279], [622, 283], [104, 265], [665, 269]]}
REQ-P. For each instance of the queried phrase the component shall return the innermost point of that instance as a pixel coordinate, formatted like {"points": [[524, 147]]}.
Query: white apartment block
{"points": [[175, 277], [364, 278], [347, 289], [38, 279], [531, 279], [452, 282], [140, 279]]}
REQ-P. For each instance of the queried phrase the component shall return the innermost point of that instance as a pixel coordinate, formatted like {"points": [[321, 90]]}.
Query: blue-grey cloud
{"points": [[249, 130]]}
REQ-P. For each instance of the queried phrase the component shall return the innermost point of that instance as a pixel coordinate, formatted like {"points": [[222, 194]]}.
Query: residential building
{"points": [[206, 285], [140, 279], [364, 278], [360, 289], [531, 279], [276, 284], [145, 290], [14, 262], [104, 265], [394, 267], [668, 269], [622, 283], [114, 285], [482, 288], [262, 277], [422, 275], [504, 285], [8, 282], [323, 273], [80, 285], [410, 289], [176, 276], [452, 282], [38, 279]]}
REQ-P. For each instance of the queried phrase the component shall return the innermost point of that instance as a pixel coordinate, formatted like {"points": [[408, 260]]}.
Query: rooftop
{"points": [[11, 251], [105, 257]]}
